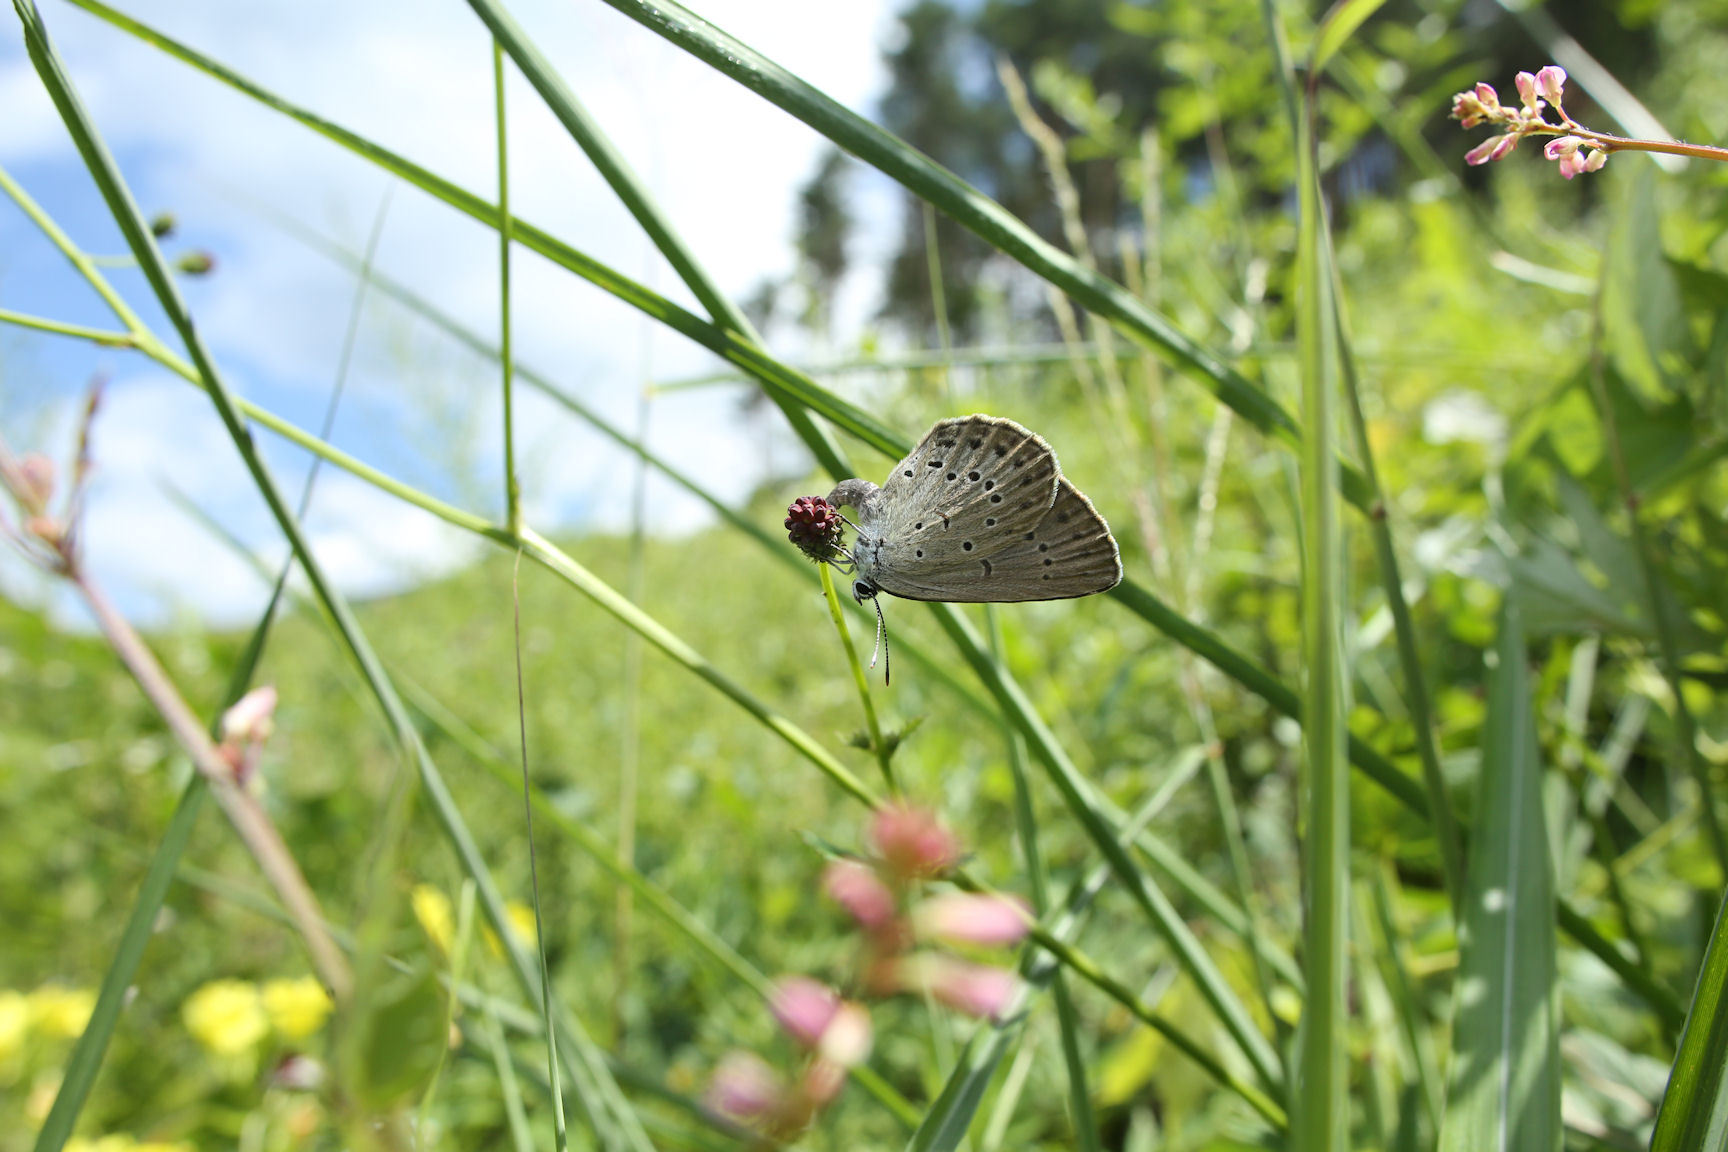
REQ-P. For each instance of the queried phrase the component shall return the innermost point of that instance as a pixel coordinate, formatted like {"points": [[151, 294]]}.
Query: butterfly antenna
{"points": [[881, 643]]}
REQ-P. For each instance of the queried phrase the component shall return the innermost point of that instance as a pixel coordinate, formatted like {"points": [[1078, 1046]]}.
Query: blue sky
{"points": [[416, 76]]}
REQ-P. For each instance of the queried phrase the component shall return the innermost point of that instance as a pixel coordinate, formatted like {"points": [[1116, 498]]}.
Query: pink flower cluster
{"points": [[900, 953], [1578, 150]]}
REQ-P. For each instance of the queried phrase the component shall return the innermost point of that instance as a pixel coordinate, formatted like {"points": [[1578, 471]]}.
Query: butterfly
{"points": [[978, 512]]}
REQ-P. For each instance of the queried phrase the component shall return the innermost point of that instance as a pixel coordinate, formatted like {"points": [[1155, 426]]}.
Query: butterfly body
{"points": [[978, 512]]}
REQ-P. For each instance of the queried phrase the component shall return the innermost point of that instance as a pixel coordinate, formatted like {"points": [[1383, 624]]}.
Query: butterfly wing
{"points": [[973, 484], [1068, 553]]}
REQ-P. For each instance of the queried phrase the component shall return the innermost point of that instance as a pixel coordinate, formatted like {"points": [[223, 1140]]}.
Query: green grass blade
{"points": [[1068, 1026], [1320, 1097], [1694, 1111], [968, 207], [631, 192], [1504, 1085], [1083, 805], [1336, 29], [87, 1055], [955, 198]]}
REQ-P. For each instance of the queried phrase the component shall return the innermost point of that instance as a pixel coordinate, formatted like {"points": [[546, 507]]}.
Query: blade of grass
{"points": [[1416, 697], [634, 196], [1083, 805], [1694, 1112], [1068, 1026], [1320, 1101], [1504, 1084], [92, 1046], [937, 186], [949, 1117]]}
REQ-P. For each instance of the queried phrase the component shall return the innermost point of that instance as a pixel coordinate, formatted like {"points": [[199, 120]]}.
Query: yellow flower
{"points": [[14, 1023], [297, 1008], [522, 926], [120, 1142], [226, 1017], [432, 909], [117, 1143], [61, 1011]]}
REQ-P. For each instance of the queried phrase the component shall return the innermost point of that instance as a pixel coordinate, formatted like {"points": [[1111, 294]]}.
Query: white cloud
{"points": [[724, 166]]}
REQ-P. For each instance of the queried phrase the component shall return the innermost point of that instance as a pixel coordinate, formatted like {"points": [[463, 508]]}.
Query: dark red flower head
{"points": [[815, 526]]}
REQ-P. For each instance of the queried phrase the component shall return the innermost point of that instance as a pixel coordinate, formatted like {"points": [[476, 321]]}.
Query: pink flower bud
{"points": [[857, 888], [250, 720], [804, 1008], [821, 1082], [1597, 159], [847, 1039], [1473, 107], [1561, 147], [1492, 148], [745, 1088], [1551, 81], [975, 989], [964, 918], [298, 1072], [33, 482], [1527, 93], [912, 843]]}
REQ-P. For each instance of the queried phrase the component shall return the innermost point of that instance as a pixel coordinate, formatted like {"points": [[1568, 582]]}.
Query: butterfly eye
{"points": [[863, 590]]}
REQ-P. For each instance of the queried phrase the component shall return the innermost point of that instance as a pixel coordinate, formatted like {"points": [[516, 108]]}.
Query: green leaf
{"points": [[396, 1037], [1694, 1111], [1504, 1089], [1337, 28], [1643, 315]]}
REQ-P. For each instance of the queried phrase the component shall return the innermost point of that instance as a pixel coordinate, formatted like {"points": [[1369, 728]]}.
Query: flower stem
{"points": [[241, 807], [884, 756]]}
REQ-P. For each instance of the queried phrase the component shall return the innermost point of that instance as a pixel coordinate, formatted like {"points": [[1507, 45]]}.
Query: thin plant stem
{"points": [[560, 1134], [240, 806], [630, 733], [506, 236], [1667, 643], [1320, 1106], [884, 755], [105, 337], [1068, 1025], [1416, 696]]}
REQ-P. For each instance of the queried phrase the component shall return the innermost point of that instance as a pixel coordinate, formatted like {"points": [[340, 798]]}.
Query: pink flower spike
{"points": [[964, 918], [847, 1039], [744, 1087], [913, 843], [804, 1008], [1552, 83], [857, 888]]}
